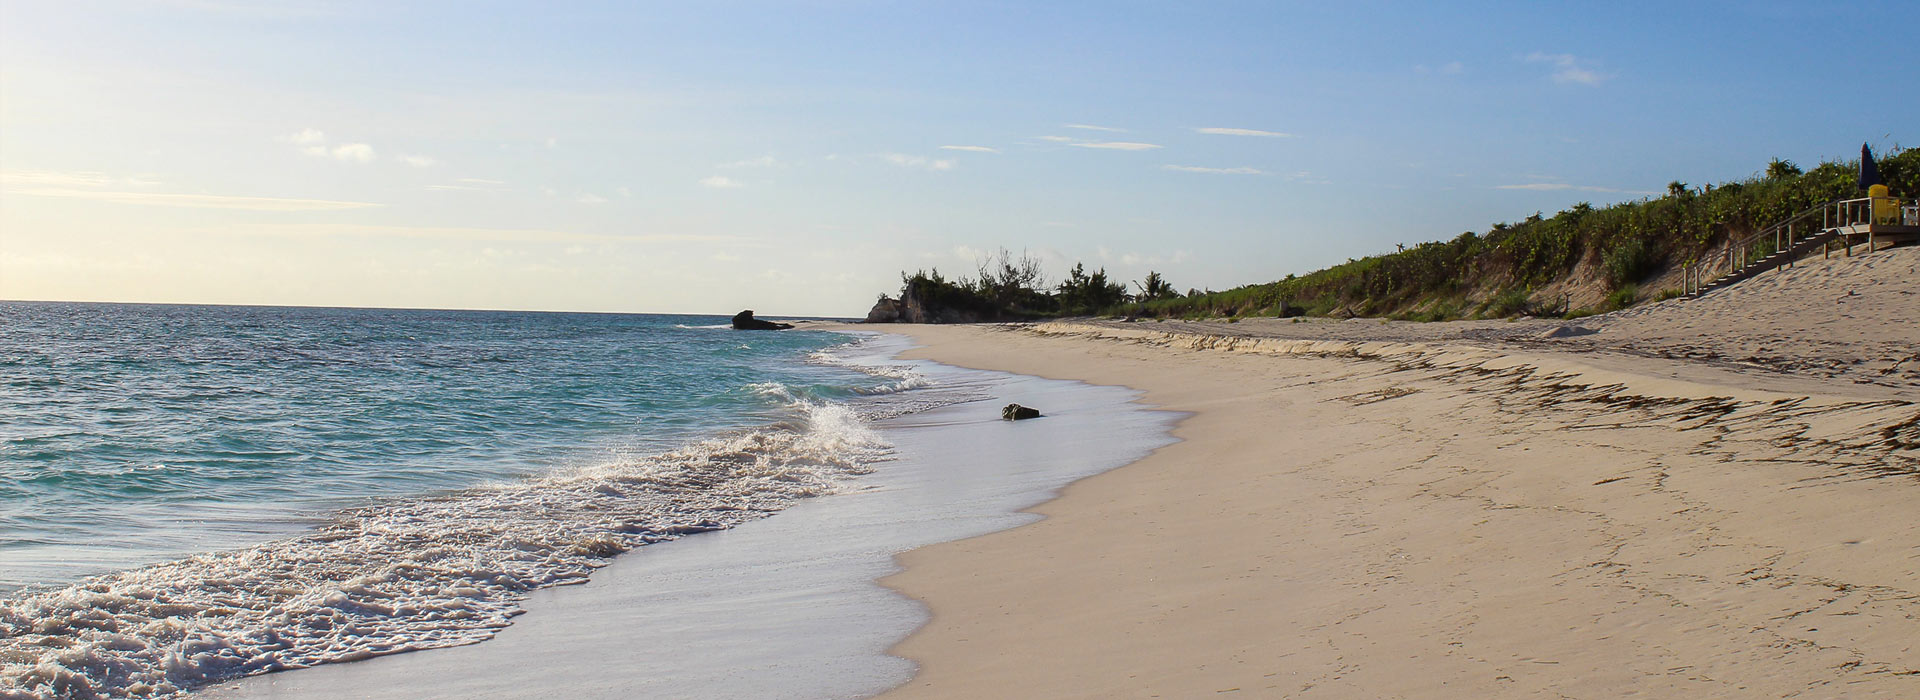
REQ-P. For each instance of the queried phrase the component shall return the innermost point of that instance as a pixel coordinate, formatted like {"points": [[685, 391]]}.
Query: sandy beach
{"points": [[1706, 498]]}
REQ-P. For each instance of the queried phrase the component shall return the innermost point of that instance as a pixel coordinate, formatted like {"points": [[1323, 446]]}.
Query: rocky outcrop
{"points": [[886, 310], [744, 321], [916, 309], [1015, 411]]}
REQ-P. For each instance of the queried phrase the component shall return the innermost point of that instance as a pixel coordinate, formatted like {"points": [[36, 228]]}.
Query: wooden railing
{"points": [[1779, 239]]}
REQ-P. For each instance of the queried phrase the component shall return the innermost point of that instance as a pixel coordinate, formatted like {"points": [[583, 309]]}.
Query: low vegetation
{"points": [[1505, 271]]}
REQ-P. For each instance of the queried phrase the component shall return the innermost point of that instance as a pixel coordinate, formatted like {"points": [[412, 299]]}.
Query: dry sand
{"points": [[1711, 498]]}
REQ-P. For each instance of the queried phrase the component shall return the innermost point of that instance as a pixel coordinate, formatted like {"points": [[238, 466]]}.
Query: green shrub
{"points": [[1623, 297], [1629, 262], [1512, 302]]}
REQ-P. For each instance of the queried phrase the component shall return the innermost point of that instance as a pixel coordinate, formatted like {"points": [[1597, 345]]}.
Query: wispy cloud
{"points": [[1118, 145], [719, 182], [1091, 127], [313, 142], [198, 201], [766, 161], [1449, 68], [1215, 171], [1564, 187], [1227, 131], [353, 152], [1058, 139], [417, 161], [472, 184], [906, 161], [590, 198], [1108, 255], [468, 234], [306, 137], [1568, 68], [78, 179], [971, 149]]}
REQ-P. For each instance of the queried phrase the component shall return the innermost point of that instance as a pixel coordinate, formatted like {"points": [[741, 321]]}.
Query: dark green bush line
{"points": [[1629, 242]]}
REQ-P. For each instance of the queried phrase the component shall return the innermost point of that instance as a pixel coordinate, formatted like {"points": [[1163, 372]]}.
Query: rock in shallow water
{"points": [[744, 321], [1015, 411]]}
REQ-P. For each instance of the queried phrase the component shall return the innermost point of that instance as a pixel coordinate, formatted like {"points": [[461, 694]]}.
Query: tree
{"points": [[1155, 287], [1782, 169], [1007, 281], [1676, 189], [1084, 293]]}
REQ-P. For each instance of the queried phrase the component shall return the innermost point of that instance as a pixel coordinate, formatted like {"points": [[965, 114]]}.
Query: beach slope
{"points": [[1389, 518]]}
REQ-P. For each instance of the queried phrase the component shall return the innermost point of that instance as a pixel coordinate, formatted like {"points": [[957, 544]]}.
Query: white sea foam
{"points": [[411, 574], [851, 355]]}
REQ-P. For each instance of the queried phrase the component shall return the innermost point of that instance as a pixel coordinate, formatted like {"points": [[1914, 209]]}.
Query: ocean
{"points": [[194, 494]]}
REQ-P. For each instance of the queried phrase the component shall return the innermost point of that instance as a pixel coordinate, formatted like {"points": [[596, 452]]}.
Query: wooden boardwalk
{"points": [[1875, 222]]}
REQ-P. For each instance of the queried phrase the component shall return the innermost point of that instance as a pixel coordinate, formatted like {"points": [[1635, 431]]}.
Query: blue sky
{"points": [[795, 157]]}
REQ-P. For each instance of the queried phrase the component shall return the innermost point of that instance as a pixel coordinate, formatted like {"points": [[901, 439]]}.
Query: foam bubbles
{"points": [[410, 574]]}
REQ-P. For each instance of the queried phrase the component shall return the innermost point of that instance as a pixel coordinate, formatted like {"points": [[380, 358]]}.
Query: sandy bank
{"points": [[1365, 518]]}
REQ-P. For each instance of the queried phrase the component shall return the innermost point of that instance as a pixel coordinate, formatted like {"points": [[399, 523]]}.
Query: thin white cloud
{"points": [[590, 198], [766, 161], [306, 137], [1228, 131], [1563, 187], [346, 152], [1568, 68], [198, 201], [417, 161], [479, 181], [313, 142], [1449, 68], [353, 152], [906, 161], [1058, 139], [35, 177], [971, 149], [1131, 258], [623, 192], [1118, 145], [1091, 127], [719, 182], [1215, 171], [468, 234]]}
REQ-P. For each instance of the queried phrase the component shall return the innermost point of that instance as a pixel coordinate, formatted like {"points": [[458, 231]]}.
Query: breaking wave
{"points": [[409, 574]]}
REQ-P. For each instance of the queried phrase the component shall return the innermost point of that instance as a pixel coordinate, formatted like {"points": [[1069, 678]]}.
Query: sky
{"points": [[795, 157]]}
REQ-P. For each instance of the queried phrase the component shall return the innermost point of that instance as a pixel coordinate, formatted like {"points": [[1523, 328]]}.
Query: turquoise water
{"points": [[131, 434], [189, 493]]}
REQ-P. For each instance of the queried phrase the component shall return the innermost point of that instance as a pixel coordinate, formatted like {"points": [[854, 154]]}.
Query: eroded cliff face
{"points": [[910, 308]]}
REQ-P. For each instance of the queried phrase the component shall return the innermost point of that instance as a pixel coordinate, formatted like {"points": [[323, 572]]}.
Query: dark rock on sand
{"points": [[744, 321], [1567, 331], [1015, 411]]}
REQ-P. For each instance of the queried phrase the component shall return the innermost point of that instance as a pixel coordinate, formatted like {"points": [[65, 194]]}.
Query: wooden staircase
{"points": [[1777, 259], [1848, 222]]}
